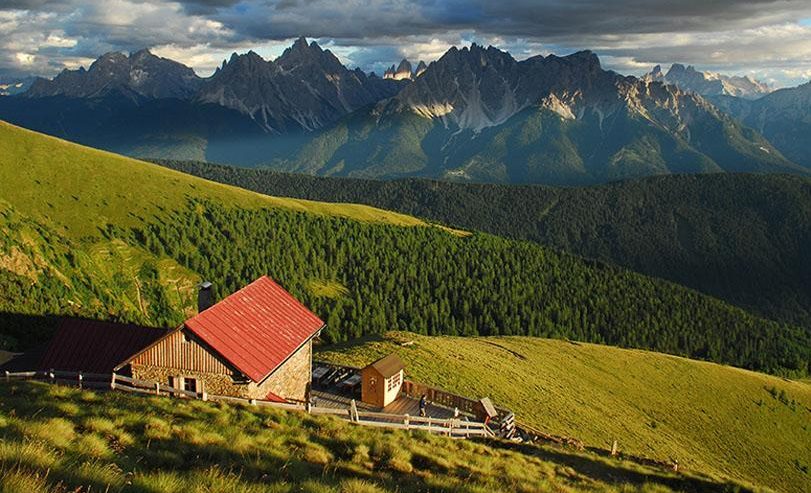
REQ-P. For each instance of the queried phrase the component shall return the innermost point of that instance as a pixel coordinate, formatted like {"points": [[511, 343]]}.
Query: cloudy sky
{"points": [[768, 39]]}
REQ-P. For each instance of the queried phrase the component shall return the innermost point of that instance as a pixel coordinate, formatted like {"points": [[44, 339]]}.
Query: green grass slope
{"points": [[379, 275], [59, 439], [78, 189], [716, 419]]}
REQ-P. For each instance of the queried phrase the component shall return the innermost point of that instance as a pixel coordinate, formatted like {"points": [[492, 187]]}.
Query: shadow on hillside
{"points": [[604, 468], [22, 332]]}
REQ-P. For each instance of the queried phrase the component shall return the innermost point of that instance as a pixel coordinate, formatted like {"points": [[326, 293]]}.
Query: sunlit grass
{"points": [[711, 418], [193, 446], [80, 186]]}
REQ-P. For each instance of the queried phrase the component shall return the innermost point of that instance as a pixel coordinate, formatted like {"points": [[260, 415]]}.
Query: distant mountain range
{"points": [[476, 114], [709, 83], [141, 74], [783, 117], [304, 89]]}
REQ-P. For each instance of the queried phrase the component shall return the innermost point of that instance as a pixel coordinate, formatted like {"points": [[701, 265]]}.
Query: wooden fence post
{"points": [[204, 396], [8, 377], [51, 375], [614, 449], [406, 421], [112, 382], [157, 388], [253, 402], [80, 380], [353, 411]]}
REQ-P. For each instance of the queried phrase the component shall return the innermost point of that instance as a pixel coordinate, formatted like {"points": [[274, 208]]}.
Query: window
{"points": [[393, 382], [190, 384]]}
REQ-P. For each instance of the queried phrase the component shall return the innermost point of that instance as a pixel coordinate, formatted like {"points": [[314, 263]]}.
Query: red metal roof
{"points": [[95, 346], [274, 398], [257, 328]]}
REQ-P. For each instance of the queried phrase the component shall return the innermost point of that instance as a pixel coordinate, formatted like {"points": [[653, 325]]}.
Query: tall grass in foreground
{"points": [[63, 439]]}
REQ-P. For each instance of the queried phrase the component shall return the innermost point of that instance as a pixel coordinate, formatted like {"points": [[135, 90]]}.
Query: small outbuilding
{"points": [[382, 381]]}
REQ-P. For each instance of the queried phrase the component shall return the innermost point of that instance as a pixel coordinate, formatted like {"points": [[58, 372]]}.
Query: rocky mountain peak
{"points": [[305, 88], [709, 83], [142, 54], [302, 54], [403, 71], [140, 74]]}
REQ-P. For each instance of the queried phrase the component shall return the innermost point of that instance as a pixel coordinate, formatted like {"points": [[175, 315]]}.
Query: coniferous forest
{"points": [[741, 238], [366, 279]]}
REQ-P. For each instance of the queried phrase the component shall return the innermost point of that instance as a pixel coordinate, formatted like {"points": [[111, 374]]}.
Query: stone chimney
{"points": [[205, 298]]}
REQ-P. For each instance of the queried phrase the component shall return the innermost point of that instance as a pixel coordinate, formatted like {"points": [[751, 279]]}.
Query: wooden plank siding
{"points": [[191, 355]]}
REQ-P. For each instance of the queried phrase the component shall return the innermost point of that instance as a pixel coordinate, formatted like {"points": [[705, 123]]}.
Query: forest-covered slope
{"points": [[359, 268], [738, 237]]}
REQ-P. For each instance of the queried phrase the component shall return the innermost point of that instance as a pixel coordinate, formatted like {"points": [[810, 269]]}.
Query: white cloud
{"points": [[25, 58], [57, 41]]}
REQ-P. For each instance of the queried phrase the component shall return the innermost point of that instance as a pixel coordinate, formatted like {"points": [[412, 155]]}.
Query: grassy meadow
{"points": [[716, 419], [56, 200], [78, 188], [60, 439]]}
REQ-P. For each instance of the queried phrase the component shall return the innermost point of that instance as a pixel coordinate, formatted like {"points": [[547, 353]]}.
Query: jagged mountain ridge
{"points": [[305, 88], [478, 114], [709, 83], [475, 114], [141, 73]]}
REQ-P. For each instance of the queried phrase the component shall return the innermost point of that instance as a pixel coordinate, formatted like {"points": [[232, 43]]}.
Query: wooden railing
{"points": [[80, 379], [437, 396], [453, 427], [444, 398]]}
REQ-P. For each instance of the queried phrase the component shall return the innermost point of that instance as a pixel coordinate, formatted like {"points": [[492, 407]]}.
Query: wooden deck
{"points": [[402, 406]]}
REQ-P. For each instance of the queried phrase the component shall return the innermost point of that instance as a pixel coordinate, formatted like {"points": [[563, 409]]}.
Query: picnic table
{"points": [[319, 373], [351, 383]]}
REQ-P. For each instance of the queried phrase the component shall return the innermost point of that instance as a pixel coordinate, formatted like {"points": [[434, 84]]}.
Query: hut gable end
{"points": [[180, 350]]}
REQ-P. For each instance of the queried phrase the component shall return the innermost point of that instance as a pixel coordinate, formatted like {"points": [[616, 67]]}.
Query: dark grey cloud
{"points": [[547, 19], [740, 35]]}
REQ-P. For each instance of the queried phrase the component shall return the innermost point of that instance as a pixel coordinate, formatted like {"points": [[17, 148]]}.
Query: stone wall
{"points": [[212, 383], [290, 381]]}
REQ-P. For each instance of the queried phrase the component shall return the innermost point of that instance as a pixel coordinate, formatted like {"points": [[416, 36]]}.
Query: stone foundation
{"points": [[212, 383], [289, 381]]}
